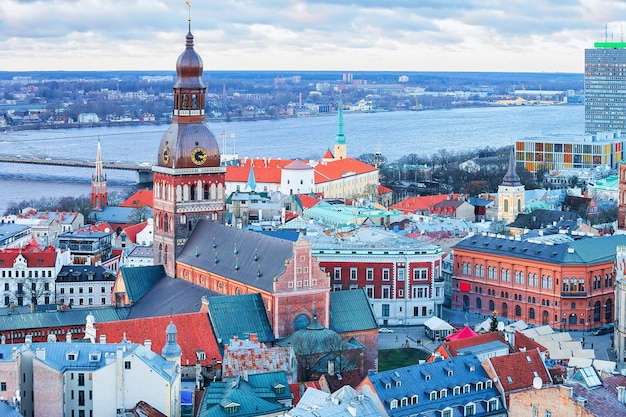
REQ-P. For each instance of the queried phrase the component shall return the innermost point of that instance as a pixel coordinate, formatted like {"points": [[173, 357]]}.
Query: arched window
{"points": [[572, 319], [573, 305], [596, 312], [165, 256], [492, 305], [206, 191], [531, 313], [518, 311], [608, 312], [504, 312], [192, 192], [565, 285], [506, 206], [479, 303], [581, 285]]}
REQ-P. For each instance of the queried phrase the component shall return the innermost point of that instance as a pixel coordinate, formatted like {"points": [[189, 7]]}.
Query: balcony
{"points": [[573, 293]]}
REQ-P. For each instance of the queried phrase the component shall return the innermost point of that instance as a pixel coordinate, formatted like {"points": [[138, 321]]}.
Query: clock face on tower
{"points": [[198, 156], [166, 154]]}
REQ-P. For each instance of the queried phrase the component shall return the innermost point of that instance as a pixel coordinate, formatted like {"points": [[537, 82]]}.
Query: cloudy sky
{"points": [[402, 35]]}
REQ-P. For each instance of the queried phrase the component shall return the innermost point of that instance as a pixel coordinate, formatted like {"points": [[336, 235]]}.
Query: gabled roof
{"points": [[70, 317], [328, 154], [132, 230], [524, 342], [517, 370], [235, 251], [424, 203], [541, 218], [139, 280], [247, 399], [340, 379], [140, 198], [82, 273], [194, 333], [337, 169], [454, 346], [250, 312], [351, 311], [265, 171], [298, 165], [35, 256], [602, 401], [170, 296], [422, 380], [307, 201]]}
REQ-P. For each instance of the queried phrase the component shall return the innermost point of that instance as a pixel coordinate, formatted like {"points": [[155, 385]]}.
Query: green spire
{"points": [[340, 138]]}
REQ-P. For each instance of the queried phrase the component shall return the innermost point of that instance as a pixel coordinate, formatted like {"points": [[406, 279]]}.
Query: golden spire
{"points": [[188, 3]]}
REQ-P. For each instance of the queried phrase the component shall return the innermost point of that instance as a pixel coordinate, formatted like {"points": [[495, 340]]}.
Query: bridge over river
{"points": [[143, 170]]}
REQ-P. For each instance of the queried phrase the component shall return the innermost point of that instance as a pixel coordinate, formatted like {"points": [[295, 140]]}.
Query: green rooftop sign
{"points": [[610, 45]]}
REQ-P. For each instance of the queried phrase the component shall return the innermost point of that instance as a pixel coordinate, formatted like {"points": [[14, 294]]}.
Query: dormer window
{"points": [[433, 395], [279, 388], [393, 404], [469, 410], [479, 386], [404, 402], [414, 399], [443, 393], [398, 383], [456, 391], [231, 407], [94, 356], [449, 371], [387, 385], [488, 384], [466, 388], [71, 356]]}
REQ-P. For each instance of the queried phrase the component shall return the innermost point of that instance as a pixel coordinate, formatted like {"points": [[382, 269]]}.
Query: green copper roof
{"points": [[351, 311], [140, 279], [239, 315]]}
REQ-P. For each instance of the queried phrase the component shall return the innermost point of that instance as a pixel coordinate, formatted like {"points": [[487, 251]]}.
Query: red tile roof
{"points": [[194, 333], [131, 231], [521, 341], [98, 227], [307, 201], [518, 370], [141, 198], [334, 170], [384, 190], [265, 170], [328, 154], [35, 256], [422, 204], [455, 345]]}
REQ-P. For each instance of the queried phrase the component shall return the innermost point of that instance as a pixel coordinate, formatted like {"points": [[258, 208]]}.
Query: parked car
{"points": [[606, 329], [385, 330]]}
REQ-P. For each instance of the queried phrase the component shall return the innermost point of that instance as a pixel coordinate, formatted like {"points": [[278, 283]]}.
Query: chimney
{"points": [[568, 391], [148, 344], [40, 354], [621, 394], [103, 338], [68, 337], [331, 368]]}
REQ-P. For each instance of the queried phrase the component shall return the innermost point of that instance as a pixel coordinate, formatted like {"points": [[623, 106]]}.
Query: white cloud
{"points": [[446, 35]]}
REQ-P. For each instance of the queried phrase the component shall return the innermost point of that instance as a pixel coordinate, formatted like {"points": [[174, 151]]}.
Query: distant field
{"points": [[397, 358]]}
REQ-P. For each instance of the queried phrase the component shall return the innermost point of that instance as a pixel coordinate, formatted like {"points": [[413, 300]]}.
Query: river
{"points": [[393, 133]]}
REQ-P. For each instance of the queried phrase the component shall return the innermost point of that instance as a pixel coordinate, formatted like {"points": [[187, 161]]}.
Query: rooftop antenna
{"points": [[188, 3]]}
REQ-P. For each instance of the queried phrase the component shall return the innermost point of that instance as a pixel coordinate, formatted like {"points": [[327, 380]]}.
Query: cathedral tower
{"points": [[188, 178], [99, 196], [510, 193]]}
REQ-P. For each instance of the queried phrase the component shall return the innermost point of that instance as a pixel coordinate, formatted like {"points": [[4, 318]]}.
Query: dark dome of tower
{"points": [[188, 146], [189, 66]]}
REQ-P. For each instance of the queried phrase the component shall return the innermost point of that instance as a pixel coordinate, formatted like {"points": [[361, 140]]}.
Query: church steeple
{"points": [[340, 137], [251, 184], [99, 195], [511, 178]]}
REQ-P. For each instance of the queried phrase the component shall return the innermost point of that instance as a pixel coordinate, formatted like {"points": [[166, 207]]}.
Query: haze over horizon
{"points": [[307, 35]]}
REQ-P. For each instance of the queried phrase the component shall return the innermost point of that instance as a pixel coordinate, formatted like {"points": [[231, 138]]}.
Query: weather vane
{"points": [[188, 3]]}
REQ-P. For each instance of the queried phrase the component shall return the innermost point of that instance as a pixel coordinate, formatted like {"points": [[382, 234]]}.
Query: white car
{"points": [[385, 330]]}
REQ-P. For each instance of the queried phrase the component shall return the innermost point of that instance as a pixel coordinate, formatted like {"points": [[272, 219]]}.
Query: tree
{"points": [[138, 215], [494, 322]]}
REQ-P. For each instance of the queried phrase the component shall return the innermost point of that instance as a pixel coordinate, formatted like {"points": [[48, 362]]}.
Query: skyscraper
{"points": [[605, 87]]}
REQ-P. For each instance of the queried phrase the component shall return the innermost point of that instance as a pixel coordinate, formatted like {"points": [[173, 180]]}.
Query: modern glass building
{"points": [[605, 87]]}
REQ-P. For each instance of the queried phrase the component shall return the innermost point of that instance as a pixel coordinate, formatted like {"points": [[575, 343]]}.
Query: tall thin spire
{"points": [[188, 3], [511, 178], [99, 195], [340, 137]]}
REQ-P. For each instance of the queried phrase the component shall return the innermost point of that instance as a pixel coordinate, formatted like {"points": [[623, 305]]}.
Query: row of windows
{"points": [[31, 273], [81, 290], [81, 301], [419, 274]]}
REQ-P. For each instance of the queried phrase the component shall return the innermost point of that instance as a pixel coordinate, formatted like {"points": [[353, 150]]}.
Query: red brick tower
{"points": [[188, 179]]}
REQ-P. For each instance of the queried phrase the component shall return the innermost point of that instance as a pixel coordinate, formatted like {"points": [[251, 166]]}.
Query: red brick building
{"points": [[567, 285]]}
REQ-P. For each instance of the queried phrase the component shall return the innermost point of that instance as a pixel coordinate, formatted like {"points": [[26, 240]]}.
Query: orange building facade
{"points": [[568, 286]]}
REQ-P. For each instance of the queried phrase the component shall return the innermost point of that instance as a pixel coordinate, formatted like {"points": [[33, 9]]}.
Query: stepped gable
{"points": [[235, 251], [171, 296], [194, 333], [251, 315]]}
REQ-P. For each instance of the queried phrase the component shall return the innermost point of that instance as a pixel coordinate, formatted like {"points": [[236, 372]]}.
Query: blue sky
{"points": [[343, 35]]}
